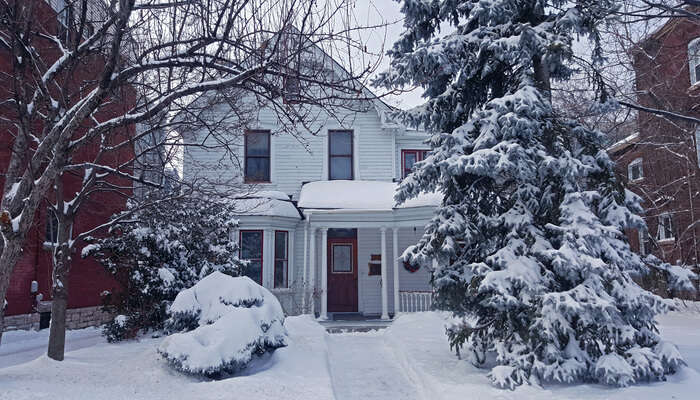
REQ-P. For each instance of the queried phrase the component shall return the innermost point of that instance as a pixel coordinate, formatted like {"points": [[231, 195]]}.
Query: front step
{"points": [[355, 326]]}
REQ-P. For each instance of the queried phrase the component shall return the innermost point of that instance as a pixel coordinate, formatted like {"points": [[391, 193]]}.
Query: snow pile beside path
{"points": [[225, 321]]}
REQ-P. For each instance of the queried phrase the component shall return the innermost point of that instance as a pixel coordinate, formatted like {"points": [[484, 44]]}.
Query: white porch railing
{"points": [[415, 301]]}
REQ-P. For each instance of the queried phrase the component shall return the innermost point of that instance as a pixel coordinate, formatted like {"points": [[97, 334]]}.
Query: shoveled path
{"points": [[355, 376]]}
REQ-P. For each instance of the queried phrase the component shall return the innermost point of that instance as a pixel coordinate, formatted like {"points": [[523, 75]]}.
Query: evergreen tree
{"points": [[529, 237], [157, 251]]}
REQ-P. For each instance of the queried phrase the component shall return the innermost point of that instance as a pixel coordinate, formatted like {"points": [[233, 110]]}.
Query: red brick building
{"points": [[32, 275], [661, 162]]}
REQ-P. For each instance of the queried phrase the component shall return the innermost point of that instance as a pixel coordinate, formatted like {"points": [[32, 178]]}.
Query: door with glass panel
{"points": [[342, 275]]}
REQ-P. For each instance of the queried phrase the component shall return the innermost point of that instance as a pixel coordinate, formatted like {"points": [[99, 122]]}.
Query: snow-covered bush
{"points": [[157, 251], [220, 324]]}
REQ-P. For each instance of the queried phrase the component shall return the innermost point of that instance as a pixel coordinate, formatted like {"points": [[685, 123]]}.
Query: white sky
{"points": [[376, 12]]}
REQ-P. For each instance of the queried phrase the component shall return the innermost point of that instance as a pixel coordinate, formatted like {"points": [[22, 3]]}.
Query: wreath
{"points": [[411, 267]]}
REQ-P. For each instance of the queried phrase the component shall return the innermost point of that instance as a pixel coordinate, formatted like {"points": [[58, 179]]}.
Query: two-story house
{"points": [[660, 162], [319, 224]]}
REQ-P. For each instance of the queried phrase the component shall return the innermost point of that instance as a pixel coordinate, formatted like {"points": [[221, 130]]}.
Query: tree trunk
{"points": [[59, 289], [9, 257]]}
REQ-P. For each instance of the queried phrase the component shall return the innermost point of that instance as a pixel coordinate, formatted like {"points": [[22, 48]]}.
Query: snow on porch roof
{"points": [[266, 203], [359, 195]]}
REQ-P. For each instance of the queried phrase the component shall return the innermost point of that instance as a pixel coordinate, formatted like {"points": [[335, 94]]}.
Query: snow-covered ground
{"points": [[409, 360]]}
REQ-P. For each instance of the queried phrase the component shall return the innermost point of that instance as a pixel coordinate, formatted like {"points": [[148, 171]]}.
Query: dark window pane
{"points": [[341, 168], [280, 273], [342, 258], [251, 245], [409, 159], [280, 245], [341, 143], [257, 169], [51, 227], [697, 73], [257, 144], [254, 271]]}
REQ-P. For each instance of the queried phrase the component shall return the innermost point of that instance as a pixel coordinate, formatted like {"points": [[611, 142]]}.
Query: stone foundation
{"points": [[76, 318]]}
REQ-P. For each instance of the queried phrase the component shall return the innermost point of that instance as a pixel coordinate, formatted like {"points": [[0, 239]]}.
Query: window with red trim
{"points": [[409, 158], [251, 249], [257, 156], [281, 259]]}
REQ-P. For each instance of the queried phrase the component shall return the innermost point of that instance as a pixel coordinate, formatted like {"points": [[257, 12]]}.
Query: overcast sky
{"points": [[376, 12]]}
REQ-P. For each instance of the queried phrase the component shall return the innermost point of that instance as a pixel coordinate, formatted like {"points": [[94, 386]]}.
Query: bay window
{"points": [[281, 259], [251, 249]]}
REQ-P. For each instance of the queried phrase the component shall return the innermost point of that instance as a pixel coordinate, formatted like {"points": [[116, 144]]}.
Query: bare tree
{"points": [[78, 86]]}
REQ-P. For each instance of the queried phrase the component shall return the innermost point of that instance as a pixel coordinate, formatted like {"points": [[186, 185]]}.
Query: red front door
{"points": [[342, 275]]}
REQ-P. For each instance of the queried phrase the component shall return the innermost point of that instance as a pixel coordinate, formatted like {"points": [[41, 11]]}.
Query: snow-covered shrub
{"points": [[221, 323], [157, 251]]}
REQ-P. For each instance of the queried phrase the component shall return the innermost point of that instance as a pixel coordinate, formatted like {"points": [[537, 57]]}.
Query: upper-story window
{"points": [[257, 156], [665, 227], [51, 233], [635, 171], [694, 60], [340, 155], [409, 158], [292, 89], [65, 19]]}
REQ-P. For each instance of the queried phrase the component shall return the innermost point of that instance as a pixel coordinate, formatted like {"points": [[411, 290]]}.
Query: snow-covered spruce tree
{"points": [[159, 250], [529, 237]]}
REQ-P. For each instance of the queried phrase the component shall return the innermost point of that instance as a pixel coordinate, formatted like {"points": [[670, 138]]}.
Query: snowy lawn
{"points": [[409, 360]]}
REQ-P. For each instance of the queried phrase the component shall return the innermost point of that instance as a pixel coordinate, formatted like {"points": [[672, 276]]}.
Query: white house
{"points": [[319, 224]]}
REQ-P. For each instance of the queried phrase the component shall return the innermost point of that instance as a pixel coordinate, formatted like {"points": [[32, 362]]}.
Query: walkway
{"points": [[355, 376]]}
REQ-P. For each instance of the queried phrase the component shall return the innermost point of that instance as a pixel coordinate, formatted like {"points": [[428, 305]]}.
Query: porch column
{"points": [[395, 243], [385, 281], [324, 273], [305, 278], [312, 268]]}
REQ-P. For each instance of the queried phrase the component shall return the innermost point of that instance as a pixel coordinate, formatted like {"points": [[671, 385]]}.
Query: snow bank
{"points": [[359, 195], [225, 322]]}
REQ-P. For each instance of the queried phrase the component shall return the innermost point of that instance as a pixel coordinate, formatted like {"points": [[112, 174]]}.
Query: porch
{"points": [[352, 264]]}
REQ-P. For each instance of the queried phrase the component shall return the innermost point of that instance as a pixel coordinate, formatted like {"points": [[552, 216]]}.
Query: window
{"points": [[51, 234], [281, 259], [340, 155], [642, 236], [257, 156], [409, 158], [665, 227], [342, 258], [65, 19], [292, 89], [694, 61], [251, 243], [635, 171]]}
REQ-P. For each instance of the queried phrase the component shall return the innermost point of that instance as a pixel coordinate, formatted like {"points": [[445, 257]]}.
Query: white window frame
{"points": [[693, 60], [630, 167], [661, 231], [642, 235]]}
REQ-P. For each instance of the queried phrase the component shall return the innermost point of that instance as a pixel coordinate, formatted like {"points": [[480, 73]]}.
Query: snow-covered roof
{"points": [[359, 195], [266, 203], [621, 144]]}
